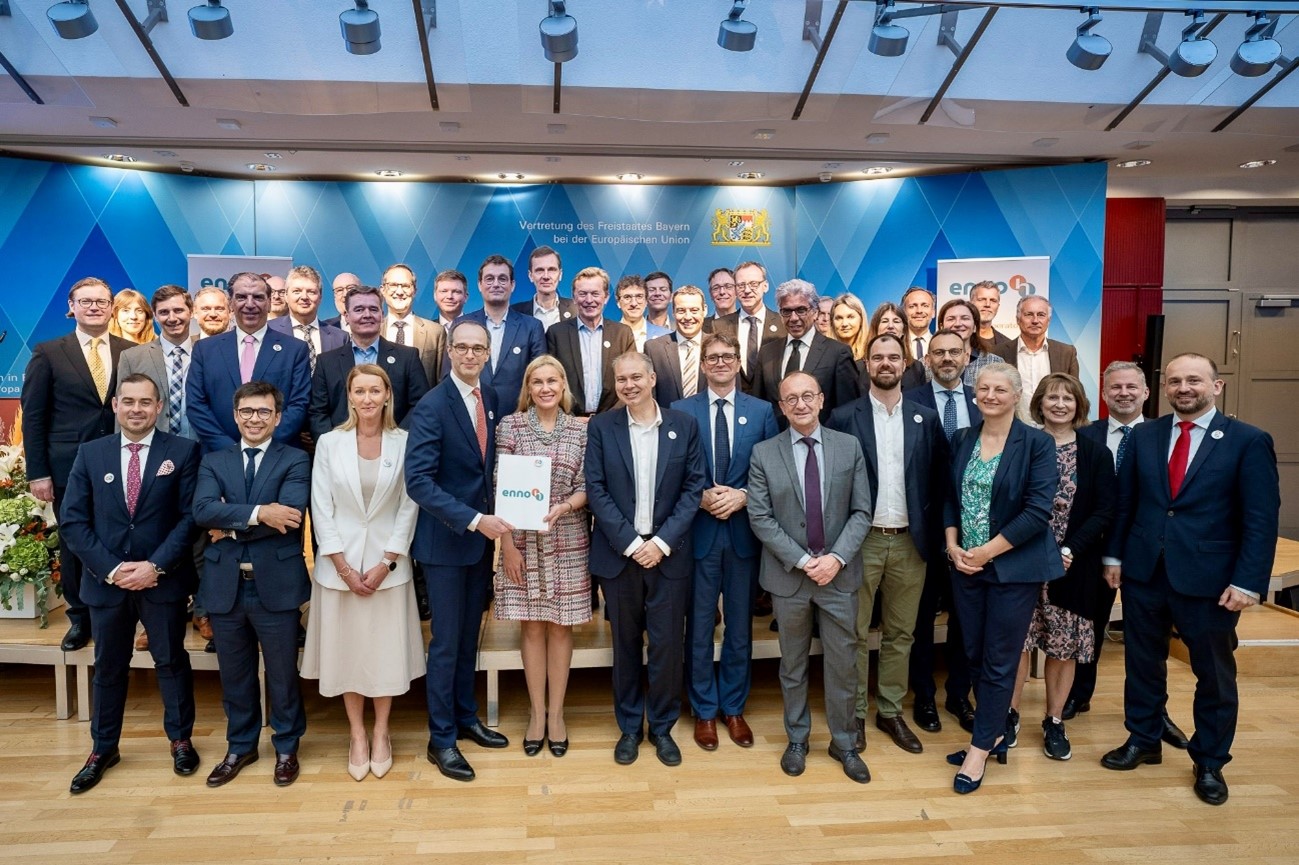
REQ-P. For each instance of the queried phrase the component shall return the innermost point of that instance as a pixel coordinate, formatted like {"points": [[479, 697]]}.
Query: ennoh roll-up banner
{"points": [[1016, 277]]}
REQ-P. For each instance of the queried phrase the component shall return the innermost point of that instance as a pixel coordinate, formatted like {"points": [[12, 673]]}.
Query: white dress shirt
{"points": [[1033, 367], [259, 339], [800, 467], [313, 332], [742, 334], [644, 464], [806, 340], [695, 345], [1114, 437], [390, 329], [891, 498], [471, 405], [243, 461], [146, 443], [728, 411], [547, 317], [105, 355], [924, 341]]}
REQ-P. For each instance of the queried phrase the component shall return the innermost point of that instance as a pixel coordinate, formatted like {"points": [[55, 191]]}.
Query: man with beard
{"points": [[986, 297], [212, 311]]}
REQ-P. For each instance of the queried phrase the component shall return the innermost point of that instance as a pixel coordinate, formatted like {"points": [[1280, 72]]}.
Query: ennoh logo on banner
{"points": [[745, 227]]}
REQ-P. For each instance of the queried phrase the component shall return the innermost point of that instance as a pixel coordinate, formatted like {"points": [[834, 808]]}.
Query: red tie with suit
{"points": [[1181, 456]]}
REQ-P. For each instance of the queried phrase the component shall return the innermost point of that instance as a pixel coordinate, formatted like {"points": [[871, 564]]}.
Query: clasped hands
{"points": [[364, 583], [134, 576], [822, 569], [970, 561], [723, 501]]}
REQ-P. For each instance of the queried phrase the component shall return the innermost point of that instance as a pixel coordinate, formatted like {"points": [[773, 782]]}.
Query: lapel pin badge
{"points": [[108, 478], [277, 347], [518, 350], [491, 415], [608, 344], [743, 421], [387, 463], [1216, 434], [391, 359], [672, 434], [772, 328], [917, 418]]}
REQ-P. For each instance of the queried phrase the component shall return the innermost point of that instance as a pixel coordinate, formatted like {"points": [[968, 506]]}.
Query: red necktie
{"points": [[480, 424], [1181, 456]]}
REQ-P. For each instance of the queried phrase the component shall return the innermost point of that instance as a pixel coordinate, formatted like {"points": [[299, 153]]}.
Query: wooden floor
{"points": [[730, 806]]}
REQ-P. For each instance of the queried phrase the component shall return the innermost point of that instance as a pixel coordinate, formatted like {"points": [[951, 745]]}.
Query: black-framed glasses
{"points": [[93, 303], [752, 286], [462, 349], [799, 311], [727, 357], [248, 413]]}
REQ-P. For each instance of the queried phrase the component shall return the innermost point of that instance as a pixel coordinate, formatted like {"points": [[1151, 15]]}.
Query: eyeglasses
{"points": [[793, 400], [249, 413], [404, 286], [751, 286], [799, 311], [93, 303], [475, 350], [723, 286], [496, 280], [728, 357], [279, 292], [946, 352]]}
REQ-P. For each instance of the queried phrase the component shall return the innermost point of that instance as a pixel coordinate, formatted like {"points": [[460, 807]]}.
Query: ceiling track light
{"points": [[211, 22], [360, 28], [1259, 52], [558, 33], [736, 34], [1192, 56], [72, 19], [1089, 50], [887, 39]]}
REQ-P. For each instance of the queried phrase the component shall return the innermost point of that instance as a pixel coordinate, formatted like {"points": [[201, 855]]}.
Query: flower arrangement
{"points": [[29, 537]]}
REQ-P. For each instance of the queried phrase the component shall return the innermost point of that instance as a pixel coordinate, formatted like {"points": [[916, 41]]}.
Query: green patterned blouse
{"points": [[976, 497]]}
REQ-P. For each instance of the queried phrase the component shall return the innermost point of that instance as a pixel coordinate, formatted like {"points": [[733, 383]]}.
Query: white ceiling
{"points": [[650, 92]]}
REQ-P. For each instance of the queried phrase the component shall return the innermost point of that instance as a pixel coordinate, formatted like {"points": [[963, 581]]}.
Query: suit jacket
{"points": [[524, 341], [1023, 492], [283, 477], [567, 309], [1220, 530], [924, 394], [925, 456], [778, 515], [99, 530], [563, 342], [1082, 589], [430, 339], [61, 408], [342, 521], [448, 476], [611, 491], [331, 335], [214, 377], [1062, 356], [664, 353], [828, 361], [754, 422], [773, 327], [328, 406], [150, 360]]}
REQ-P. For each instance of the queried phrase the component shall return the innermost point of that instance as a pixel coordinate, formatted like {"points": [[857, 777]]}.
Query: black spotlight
{"points": [[736, 34], [1257, 53], [1194, 54], [73, 19], [1089, 51], [211, 21], [558, 33], [887, 39], [360, 28]]}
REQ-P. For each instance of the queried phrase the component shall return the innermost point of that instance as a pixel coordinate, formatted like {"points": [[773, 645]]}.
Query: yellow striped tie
{"points": [[97, 371]]}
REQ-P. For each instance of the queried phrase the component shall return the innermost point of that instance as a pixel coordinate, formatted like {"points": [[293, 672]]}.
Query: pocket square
{"points": [[166, 468]]}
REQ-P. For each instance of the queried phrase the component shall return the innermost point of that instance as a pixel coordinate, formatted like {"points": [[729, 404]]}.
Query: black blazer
{"points": [[669, 385], [328, 406], [828, 361], [1082, 589], [924, 394], [567, 308], [773, 328], [563, 341], [1023, 491]]}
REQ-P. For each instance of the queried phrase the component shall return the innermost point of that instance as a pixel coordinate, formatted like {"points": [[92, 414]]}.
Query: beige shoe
{"points": [[380, 767]]}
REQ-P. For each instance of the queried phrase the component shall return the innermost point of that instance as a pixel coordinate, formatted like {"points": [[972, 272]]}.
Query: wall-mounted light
{"points": [[360, 28], [876, 171], [887, 39], [736, 34], [72, 19], [211, 21], [389, 172], [1192, 56], [558, 33], [260, 166], [1132, 163], [118, 157], [1257, 54], [1089, 50]]}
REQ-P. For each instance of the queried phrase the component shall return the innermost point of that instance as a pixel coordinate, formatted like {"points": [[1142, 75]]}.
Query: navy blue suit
{"points": [[524, 340], [214, 377], [641, 600], [1084, 676], [103, 534], [726, 562], [1179, 554], [924, 394], [260, 607], [331, 335], [329, 384], [451, 481]]}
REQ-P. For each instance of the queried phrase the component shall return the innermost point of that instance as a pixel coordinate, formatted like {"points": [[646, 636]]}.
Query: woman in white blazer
{"points": [[363, 636]]}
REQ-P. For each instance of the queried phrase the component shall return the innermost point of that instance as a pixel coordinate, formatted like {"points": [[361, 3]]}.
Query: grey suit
{"points": [[778, 519], [150, 360], [431, 340]]}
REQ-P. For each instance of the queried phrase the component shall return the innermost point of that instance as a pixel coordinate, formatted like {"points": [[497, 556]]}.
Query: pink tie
{"points": [[480, 422], [133, 478], [247, 360]]}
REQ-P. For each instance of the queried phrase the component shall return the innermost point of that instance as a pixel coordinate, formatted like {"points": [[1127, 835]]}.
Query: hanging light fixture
{"points": [[736, 34], [1089, 50], [211, 21], [72, 19], [558, 33]]}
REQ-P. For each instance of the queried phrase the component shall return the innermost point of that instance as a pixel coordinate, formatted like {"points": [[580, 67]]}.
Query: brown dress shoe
{"points": [[899, 732], [739, 730], [142, 642], [204, 627], [286, 769], [225, 771], [706, 733]]}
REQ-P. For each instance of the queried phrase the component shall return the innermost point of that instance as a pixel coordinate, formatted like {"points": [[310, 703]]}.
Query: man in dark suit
{"points": [[753, 324], [1033, 354], [450, 293], [255, 579], [450, 456], [342, 282], [726, 553], [957, 410], [905, 451], [546, 272], [644, 481], [804, 350], [721, 288], [516, 339], [66, 400], [986, 297], [1194, 544], [249, 352], [587, 345], [401, 363], [405, 327], [127, 518], [302, 289], [918, 306], [678, 357], [810, 506]]}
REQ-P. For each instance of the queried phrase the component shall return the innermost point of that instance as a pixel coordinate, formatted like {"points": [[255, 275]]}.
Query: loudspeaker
{"points": [[1150, 358]]}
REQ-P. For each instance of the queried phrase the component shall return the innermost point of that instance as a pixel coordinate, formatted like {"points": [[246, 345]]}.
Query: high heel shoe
{"points": [[963, 783], [999, 751], [358, 771], [558, 748], [379, 768], [532, 747]]}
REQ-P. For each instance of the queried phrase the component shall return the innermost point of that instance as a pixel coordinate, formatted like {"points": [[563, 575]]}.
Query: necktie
{"points": [[305, 331], [949, 415], [97, 371], [1181, 456], [1126, 432], [793, 364], [721, 444], [751, 344], [250, 470], [690, 371], [133, 478], [812, 495], [401, 332], [480, 422], [175, 389], [248, 359], [920, 348]]}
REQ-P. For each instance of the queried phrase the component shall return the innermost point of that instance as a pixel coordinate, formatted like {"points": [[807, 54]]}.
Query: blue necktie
{"points": [[1126, 432], [721, 445], [250, 471], [949, 416]]}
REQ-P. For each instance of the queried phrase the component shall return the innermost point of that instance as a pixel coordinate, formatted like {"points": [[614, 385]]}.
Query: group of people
{"points": [[878, 474]]}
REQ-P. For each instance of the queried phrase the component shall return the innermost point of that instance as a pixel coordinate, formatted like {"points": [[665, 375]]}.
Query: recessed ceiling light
{"points": [[389, 172], [166, 154], [876, 170], [271, 154], [118, 157], [513, 175], [1138, 145], [764, 134], [1258, 163], [735, 163], [1132, 163], [260, 166], [1046, 142], [630, 175], [103, 122], [227, 123], [750, 175]]}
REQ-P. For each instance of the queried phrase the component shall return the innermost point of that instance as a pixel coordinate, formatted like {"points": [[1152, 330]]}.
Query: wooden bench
{"points": [[24, 641]]}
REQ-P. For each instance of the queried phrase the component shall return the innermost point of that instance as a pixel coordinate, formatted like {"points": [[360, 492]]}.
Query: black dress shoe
{"points": [[1073, 708], [627, 749], [1128, 756], [1174, 736], [481, 735], [794, 760], [853, 765], [210, 648], [451, 762], [184, 759], [225, 771], [286, 769], [98, 764], [666, 749], [860, 741], [963, 711], [76, 638], [1209, 785], [926, 717]]}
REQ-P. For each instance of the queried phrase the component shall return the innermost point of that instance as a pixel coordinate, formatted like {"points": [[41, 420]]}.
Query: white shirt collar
{"points": [[1202, 421], [729, 396], [797, 436], [243, 445], [1115, 425], [879, 408], [147, 441], [84, 338], [658, 419], [258, 335], [465, 388]]}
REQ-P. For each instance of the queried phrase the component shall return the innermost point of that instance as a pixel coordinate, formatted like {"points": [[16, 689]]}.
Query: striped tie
{"points": [[305, 331], [175, 389]]}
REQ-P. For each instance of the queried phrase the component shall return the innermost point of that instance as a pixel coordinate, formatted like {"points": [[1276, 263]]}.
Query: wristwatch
{"points": [[392, 566]]}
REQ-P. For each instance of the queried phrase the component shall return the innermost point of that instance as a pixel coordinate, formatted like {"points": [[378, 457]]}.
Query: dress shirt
{"points": [[1033, 367], [495, 335], [471, 405], [169, 350], [1115, 436], [644, 464], [728, 409], [924, 341], [313, 332], [958, 393], [800, 467], [409, 329], [696, 345], [639, 332], [1198, 432], [369, 354], [145, 443], [446, 323], [806, 340], [591, 341], [105, 355], [243, 461], [742, 334], [547, 317], [891, 498], [259, 339]]}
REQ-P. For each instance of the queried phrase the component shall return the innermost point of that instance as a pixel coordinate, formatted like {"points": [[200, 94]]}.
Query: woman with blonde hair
{"points": [[132, 317], [848, 325]]}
